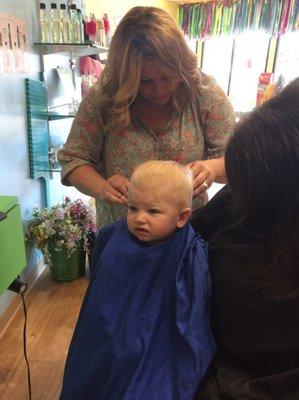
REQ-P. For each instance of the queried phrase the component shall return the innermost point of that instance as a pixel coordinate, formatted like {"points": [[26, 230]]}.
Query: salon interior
{"points": [[43, 79]]}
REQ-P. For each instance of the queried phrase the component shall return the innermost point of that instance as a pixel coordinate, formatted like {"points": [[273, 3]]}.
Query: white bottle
{"points": [[43, 24], [64, 25], [75, 33], [54, 23], [80, 26], [101, 38]]}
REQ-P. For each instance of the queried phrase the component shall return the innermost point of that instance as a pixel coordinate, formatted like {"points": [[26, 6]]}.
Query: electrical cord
{"points": [[25, 346]]}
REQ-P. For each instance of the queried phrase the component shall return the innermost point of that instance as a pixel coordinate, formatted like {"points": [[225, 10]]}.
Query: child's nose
{"points": [[140, 216]]}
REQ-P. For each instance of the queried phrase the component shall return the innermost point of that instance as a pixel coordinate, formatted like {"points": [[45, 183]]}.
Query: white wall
{"points": [[14, 160], [14, 168]]}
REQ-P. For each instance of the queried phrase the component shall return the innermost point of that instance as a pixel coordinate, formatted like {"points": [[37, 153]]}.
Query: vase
{"points": [[64, 266]]}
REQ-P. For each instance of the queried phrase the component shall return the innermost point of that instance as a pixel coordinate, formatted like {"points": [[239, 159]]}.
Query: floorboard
{"points": [[52, 309]]}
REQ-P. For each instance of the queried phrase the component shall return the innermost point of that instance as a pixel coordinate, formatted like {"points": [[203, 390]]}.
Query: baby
{"points": [[143, 330], [159, 200]]}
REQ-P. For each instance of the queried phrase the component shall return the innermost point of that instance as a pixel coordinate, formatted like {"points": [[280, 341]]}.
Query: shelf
{"points": [[80, 49], [50, 170], [54, 115], [183, 2]]}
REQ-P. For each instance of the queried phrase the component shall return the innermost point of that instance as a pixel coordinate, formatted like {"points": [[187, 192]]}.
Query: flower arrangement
{"points": [[64, 226]]}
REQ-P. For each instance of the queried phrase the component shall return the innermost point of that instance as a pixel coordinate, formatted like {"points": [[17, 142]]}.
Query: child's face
{"points": [[153, 218]]}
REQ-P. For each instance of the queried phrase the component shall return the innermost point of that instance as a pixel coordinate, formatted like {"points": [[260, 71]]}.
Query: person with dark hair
{"points": [[252, 228], [151, 102]]}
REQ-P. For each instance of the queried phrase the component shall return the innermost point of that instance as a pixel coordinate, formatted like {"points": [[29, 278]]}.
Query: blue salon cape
{"points": [[143, 332]]}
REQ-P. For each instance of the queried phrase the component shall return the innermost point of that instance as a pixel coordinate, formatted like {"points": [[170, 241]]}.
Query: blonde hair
{"points": [[144, 33], [165, 178]]}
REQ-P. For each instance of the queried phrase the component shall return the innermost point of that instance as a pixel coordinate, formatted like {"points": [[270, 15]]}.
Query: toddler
{"points": [[143, 330]]}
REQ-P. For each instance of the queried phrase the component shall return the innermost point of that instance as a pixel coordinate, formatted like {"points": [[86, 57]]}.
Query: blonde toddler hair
{"points": [[165, 178]]}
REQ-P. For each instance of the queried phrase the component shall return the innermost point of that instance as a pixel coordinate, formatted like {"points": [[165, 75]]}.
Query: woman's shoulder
{"points": [[207, 81], [209, 90], [94, 93], [215, 106], [89, 114]]}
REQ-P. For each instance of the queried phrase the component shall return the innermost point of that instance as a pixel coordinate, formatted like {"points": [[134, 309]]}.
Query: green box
{"points": [[12, 247]]}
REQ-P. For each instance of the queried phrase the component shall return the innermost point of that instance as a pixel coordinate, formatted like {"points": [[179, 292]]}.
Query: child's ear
{"points": [[183, 217]]}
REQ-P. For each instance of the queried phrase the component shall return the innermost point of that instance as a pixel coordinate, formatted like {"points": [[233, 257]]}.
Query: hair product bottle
{"points": [[81, 26], [75, 37], [91, 28], [64, 25], [101, 38], [43, 24], [54, 23], [107, 29]]}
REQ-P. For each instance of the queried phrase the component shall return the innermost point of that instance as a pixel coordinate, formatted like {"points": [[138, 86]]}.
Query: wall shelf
{"points": [[42, 151], [79, 49], [55, 115]]}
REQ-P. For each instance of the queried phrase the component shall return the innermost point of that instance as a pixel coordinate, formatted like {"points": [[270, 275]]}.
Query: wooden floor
{"points": [[52, 309]]}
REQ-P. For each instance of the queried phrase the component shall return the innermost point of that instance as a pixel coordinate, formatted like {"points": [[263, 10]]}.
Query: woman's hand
{"points": [[115, 189], [87, 179], [203, 176]]}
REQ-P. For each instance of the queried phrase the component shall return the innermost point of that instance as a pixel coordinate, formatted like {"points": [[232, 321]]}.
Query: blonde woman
{"points": [[143, 330], [151, 102]]}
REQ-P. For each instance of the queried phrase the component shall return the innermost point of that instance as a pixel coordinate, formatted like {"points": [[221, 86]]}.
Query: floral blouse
{"points": [[199, 132]]}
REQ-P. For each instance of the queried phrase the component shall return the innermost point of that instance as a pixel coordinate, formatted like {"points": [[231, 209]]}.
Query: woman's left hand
{"points": [[203, 176]]}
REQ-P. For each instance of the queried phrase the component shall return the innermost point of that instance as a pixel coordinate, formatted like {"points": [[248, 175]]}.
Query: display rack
{"points": [[42, 155], [78, 49]]}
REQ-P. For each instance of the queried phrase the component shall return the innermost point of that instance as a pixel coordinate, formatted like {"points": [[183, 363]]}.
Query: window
{"points": [[216, 60], [249, 61], [287, 62]]}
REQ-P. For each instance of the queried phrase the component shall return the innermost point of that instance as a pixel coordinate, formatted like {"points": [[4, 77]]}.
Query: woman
{"points": [[151, 102], [252, 229]]}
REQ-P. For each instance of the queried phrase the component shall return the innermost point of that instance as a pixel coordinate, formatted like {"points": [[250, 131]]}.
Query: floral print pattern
{"points": [[200, 132]]}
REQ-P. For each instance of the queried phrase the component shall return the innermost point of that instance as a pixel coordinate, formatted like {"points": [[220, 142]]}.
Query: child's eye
{"points": [[153, 211], [131, 208]]}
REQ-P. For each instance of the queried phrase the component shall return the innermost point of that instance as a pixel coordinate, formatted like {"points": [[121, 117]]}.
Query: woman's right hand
{"points": [[87, 179], [115, 189]]}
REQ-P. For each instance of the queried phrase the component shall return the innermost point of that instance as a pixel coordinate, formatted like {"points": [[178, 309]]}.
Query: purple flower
{"points": [[59, 213]]}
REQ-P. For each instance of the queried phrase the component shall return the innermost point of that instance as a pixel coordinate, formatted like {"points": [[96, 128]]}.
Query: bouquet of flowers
{"points": [[63, 226]]}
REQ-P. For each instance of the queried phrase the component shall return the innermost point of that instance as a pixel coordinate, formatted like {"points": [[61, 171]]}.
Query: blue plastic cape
{"points": [[143, 332]]}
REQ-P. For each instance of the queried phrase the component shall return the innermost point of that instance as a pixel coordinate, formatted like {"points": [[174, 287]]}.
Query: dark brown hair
{"points": [[262, 166]]}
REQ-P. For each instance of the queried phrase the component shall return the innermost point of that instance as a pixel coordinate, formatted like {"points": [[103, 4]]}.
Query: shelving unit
{"points": [[42, 154], [74, 49], [78, 49], [55, 115]]}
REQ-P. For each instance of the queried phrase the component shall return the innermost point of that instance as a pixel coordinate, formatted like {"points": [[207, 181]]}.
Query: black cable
{"points": [[25, 346]]}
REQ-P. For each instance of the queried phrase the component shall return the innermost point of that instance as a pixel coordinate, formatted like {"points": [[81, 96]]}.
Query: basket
{"points": [[64, 266]]}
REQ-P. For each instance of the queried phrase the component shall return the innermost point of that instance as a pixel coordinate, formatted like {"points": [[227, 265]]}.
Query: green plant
{"points": [[64, 226]]}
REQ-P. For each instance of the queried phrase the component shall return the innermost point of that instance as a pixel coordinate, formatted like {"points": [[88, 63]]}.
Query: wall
{"points": [[14, 161], [14, 170], [116, 8]]}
